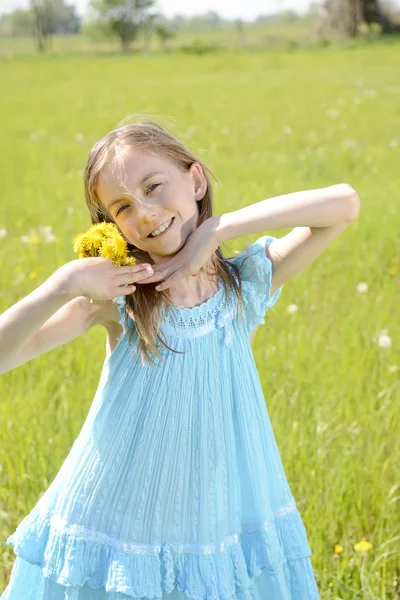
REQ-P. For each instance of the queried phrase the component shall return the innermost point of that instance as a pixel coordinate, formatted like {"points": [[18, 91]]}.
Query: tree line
{"points": [[124, 19]]}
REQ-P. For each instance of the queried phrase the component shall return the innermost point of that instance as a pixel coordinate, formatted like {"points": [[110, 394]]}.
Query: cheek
{"points": [[129, 230]]}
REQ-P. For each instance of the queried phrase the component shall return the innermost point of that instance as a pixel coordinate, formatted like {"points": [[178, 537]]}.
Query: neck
{"points": [[190, 291]]}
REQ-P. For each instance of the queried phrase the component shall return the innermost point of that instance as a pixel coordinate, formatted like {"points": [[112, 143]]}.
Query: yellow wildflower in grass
{"points": [[392, 271], [362, 546], [18, 269], [34, 238], [338, 549], [33, 274], [103, 239]]}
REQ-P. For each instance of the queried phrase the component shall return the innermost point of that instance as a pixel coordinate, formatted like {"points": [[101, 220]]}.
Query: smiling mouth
{"points": [[170, 222]]}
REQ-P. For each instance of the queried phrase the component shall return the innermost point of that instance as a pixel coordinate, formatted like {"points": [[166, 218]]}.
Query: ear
{"points": [[199, 181]]}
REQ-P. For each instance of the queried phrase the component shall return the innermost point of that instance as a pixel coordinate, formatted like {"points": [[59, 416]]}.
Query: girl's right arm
{"points": [[59, 309]]}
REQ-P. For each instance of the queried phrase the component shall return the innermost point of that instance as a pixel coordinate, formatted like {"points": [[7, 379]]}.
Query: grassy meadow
{"points": [[267, 123]]}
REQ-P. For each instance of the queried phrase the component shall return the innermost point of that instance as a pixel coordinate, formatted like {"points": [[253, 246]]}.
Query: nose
{"points": [[146, 219], [146, 214]]}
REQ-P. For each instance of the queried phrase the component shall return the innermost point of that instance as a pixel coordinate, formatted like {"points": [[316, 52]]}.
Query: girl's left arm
{"points": [[317, 216]]}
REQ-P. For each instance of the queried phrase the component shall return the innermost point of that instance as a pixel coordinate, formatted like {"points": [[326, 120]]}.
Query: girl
{"points": [[174, 487]]}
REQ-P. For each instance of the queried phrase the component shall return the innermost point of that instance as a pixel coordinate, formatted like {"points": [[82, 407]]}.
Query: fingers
{"points": [[133, 275], [125, 270], [124, 291], [157, 276]]}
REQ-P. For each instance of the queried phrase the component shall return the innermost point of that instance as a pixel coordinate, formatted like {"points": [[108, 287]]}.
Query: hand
{"points": [[199, 246], [98, 278]]}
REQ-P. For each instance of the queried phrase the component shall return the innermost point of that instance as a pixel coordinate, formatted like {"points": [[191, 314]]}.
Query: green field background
{"points": [[267, 123]]}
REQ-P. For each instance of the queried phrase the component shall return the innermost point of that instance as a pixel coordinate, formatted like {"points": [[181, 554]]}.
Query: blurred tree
{"points": [[213, 19], [346, 17], [122, 18], [148, 28], [164, 34], [239, 24], [42, 19], [18, 23]]}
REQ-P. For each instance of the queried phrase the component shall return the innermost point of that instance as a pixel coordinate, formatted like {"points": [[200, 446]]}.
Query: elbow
{"points": [[350, 201]]}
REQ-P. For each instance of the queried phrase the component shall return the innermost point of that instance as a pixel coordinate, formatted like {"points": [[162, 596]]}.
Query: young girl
{"points": [[174, 487]]}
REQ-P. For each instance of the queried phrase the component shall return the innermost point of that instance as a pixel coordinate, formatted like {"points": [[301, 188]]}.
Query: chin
{"points": [[178, 248]]}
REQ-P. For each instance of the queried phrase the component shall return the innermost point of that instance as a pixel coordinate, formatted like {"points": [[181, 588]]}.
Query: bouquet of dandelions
{"points": [[103, 239]]}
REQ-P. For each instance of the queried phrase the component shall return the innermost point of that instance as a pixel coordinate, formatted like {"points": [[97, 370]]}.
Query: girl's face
{"points": [[154, 192]]}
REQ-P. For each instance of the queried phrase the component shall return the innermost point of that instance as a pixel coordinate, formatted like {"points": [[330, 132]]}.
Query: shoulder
{"points": [[256, 259]]}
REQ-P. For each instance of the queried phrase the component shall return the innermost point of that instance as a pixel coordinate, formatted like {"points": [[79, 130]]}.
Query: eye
{"points": [[151, 187], [121, 208]]}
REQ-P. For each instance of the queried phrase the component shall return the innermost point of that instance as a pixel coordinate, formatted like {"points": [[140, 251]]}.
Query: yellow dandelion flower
{"points": [[95, 241], [362, 546], [107, 250], [121, 247], [33, 274], [392, 271], [338, 549], [18, 269], [34, 238]]}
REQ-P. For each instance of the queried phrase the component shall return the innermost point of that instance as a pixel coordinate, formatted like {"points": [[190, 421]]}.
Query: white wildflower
{"points": [[37, 134], [79, 137], [70, 210], [393, 143], [384, 341], [332, 113], [288, 130], [45, 229], [49, 237], [393, 369], [25, 239], [362, 287], [292, 308], [3, 232], [348, 144]]}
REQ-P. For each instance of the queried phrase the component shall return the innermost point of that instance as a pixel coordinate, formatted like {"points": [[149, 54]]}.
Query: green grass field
{"points": [[267, 124]]}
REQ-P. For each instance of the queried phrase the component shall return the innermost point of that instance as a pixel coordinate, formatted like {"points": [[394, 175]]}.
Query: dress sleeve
{"points": [[256, 272]]}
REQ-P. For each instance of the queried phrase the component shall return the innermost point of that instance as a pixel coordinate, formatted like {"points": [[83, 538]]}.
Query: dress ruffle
{"points": [[75, 566]]}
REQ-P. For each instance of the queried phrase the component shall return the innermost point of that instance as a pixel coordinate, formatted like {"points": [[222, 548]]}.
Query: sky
{"points": [[245, 9]]}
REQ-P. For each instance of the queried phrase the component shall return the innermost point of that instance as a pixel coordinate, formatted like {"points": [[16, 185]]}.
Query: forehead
{"points": [[127, 171]]}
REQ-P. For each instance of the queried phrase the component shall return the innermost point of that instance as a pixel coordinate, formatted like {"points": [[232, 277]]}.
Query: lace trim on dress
{"points": [[191, 322], [71, 558], [93, 536]]}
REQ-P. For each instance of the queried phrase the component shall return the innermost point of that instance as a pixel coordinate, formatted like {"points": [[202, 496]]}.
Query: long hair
{"points": [[145, 304]]}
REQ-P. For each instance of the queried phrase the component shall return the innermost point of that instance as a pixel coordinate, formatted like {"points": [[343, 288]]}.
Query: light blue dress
{"points": [[174, 487]]}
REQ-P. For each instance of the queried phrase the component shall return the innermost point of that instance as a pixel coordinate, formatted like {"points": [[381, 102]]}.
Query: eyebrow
{"points": [[141, 182]]}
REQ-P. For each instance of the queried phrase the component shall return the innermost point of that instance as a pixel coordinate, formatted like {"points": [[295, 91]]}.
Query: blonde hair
{"points": [[145, 304]]}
